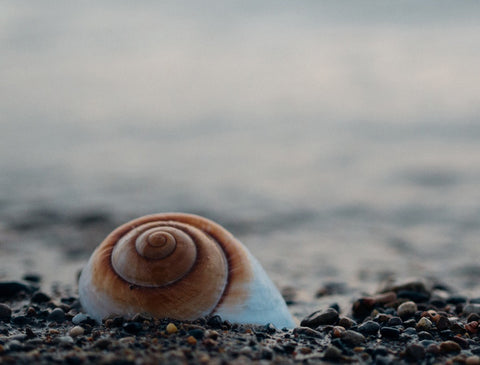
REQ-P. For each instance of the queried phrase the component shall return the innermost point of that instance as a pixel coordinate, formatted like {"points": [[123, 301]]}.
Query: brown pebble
{"points": [[472, 327], [472, 360], [305, 350], [76, 331], [338, 331], [346, 322], [450, 346], [192, 340]]}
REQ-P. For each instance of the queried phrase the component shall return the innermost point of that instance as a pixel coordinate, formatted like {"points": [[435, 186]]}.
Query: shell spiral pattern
{"points": [[180, 266]]}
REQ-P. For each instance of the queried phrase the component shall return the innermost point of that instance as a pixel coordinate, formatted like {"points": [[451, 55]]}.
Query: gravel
{"points": [[382, 329]]}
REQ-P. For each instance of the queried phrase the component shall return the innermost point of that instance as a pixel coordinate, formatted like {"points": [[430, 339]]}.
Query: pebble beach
{"points": [[414, 322], [338, 141]]}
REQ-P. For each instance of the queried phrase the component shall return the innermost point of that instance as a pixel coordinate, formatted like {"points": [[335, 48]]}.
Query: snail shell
{"points": [[180, 266]]}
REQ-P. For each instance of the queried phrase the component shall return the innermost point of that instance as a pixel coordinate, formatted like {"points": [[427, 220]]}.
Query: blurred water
{"points": [[339, 141]]}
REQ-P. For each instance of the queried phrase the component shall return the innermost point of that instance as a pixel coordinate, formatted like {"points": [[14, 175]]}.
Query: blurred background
{"points": [[340, 141]]}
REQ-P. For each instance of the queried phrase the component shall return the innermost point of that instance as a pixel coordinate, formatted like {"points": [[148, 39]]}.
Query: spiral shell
{"points": [[179, 266]]}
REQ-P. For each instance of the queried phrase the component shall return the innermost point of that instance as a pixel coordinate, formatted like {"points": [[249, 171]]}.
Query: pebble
{"points": [[80, 318], [390, 332], [9, 289], [346, 322], [424, 335], [215, 321], [132, 327], [5, 312], [450, 346], [307, 331], [394, 321], [321, 318], [76, 331], [369, 328], [407, 310], [197, 333], [64, 340], [192, 340], [353, 338], [171, 328], [15, 345], [424, 324], [415, 351], [472, 360], [57, 315], [332, 353], [40, 297]]}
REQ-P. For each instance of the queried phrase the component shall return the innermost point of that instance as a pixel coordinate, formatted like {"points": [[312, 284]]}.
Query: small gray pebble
{"points": [[80, 318]]}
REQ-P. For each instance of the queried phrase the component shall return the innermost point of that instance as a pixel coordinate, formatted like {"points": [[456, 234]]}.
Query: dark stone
{"points": [[21, 320], [410, 331], [461, 341], [438, 303], [132, 327], [33, 278], [5, 312], [352, 338], [417, 297], [415, 352], [424, 335], [15, 345], [102, 343], [457, 299], [332, 353], [362, 308], [335, 306], [40, 297], [9, 289], [394, 321], [270, 328], [266, 354], [410, 323], [320, 318], [57, 315], [380, 351], [215, 321], [443, 323], [307, 331], [197, 333], [390, 332], [369, 328]]}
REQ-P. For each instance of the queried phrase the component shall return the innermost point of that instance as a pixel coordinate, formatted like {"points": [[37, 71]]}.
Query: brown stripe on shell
{"points": [[200, 291]]}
